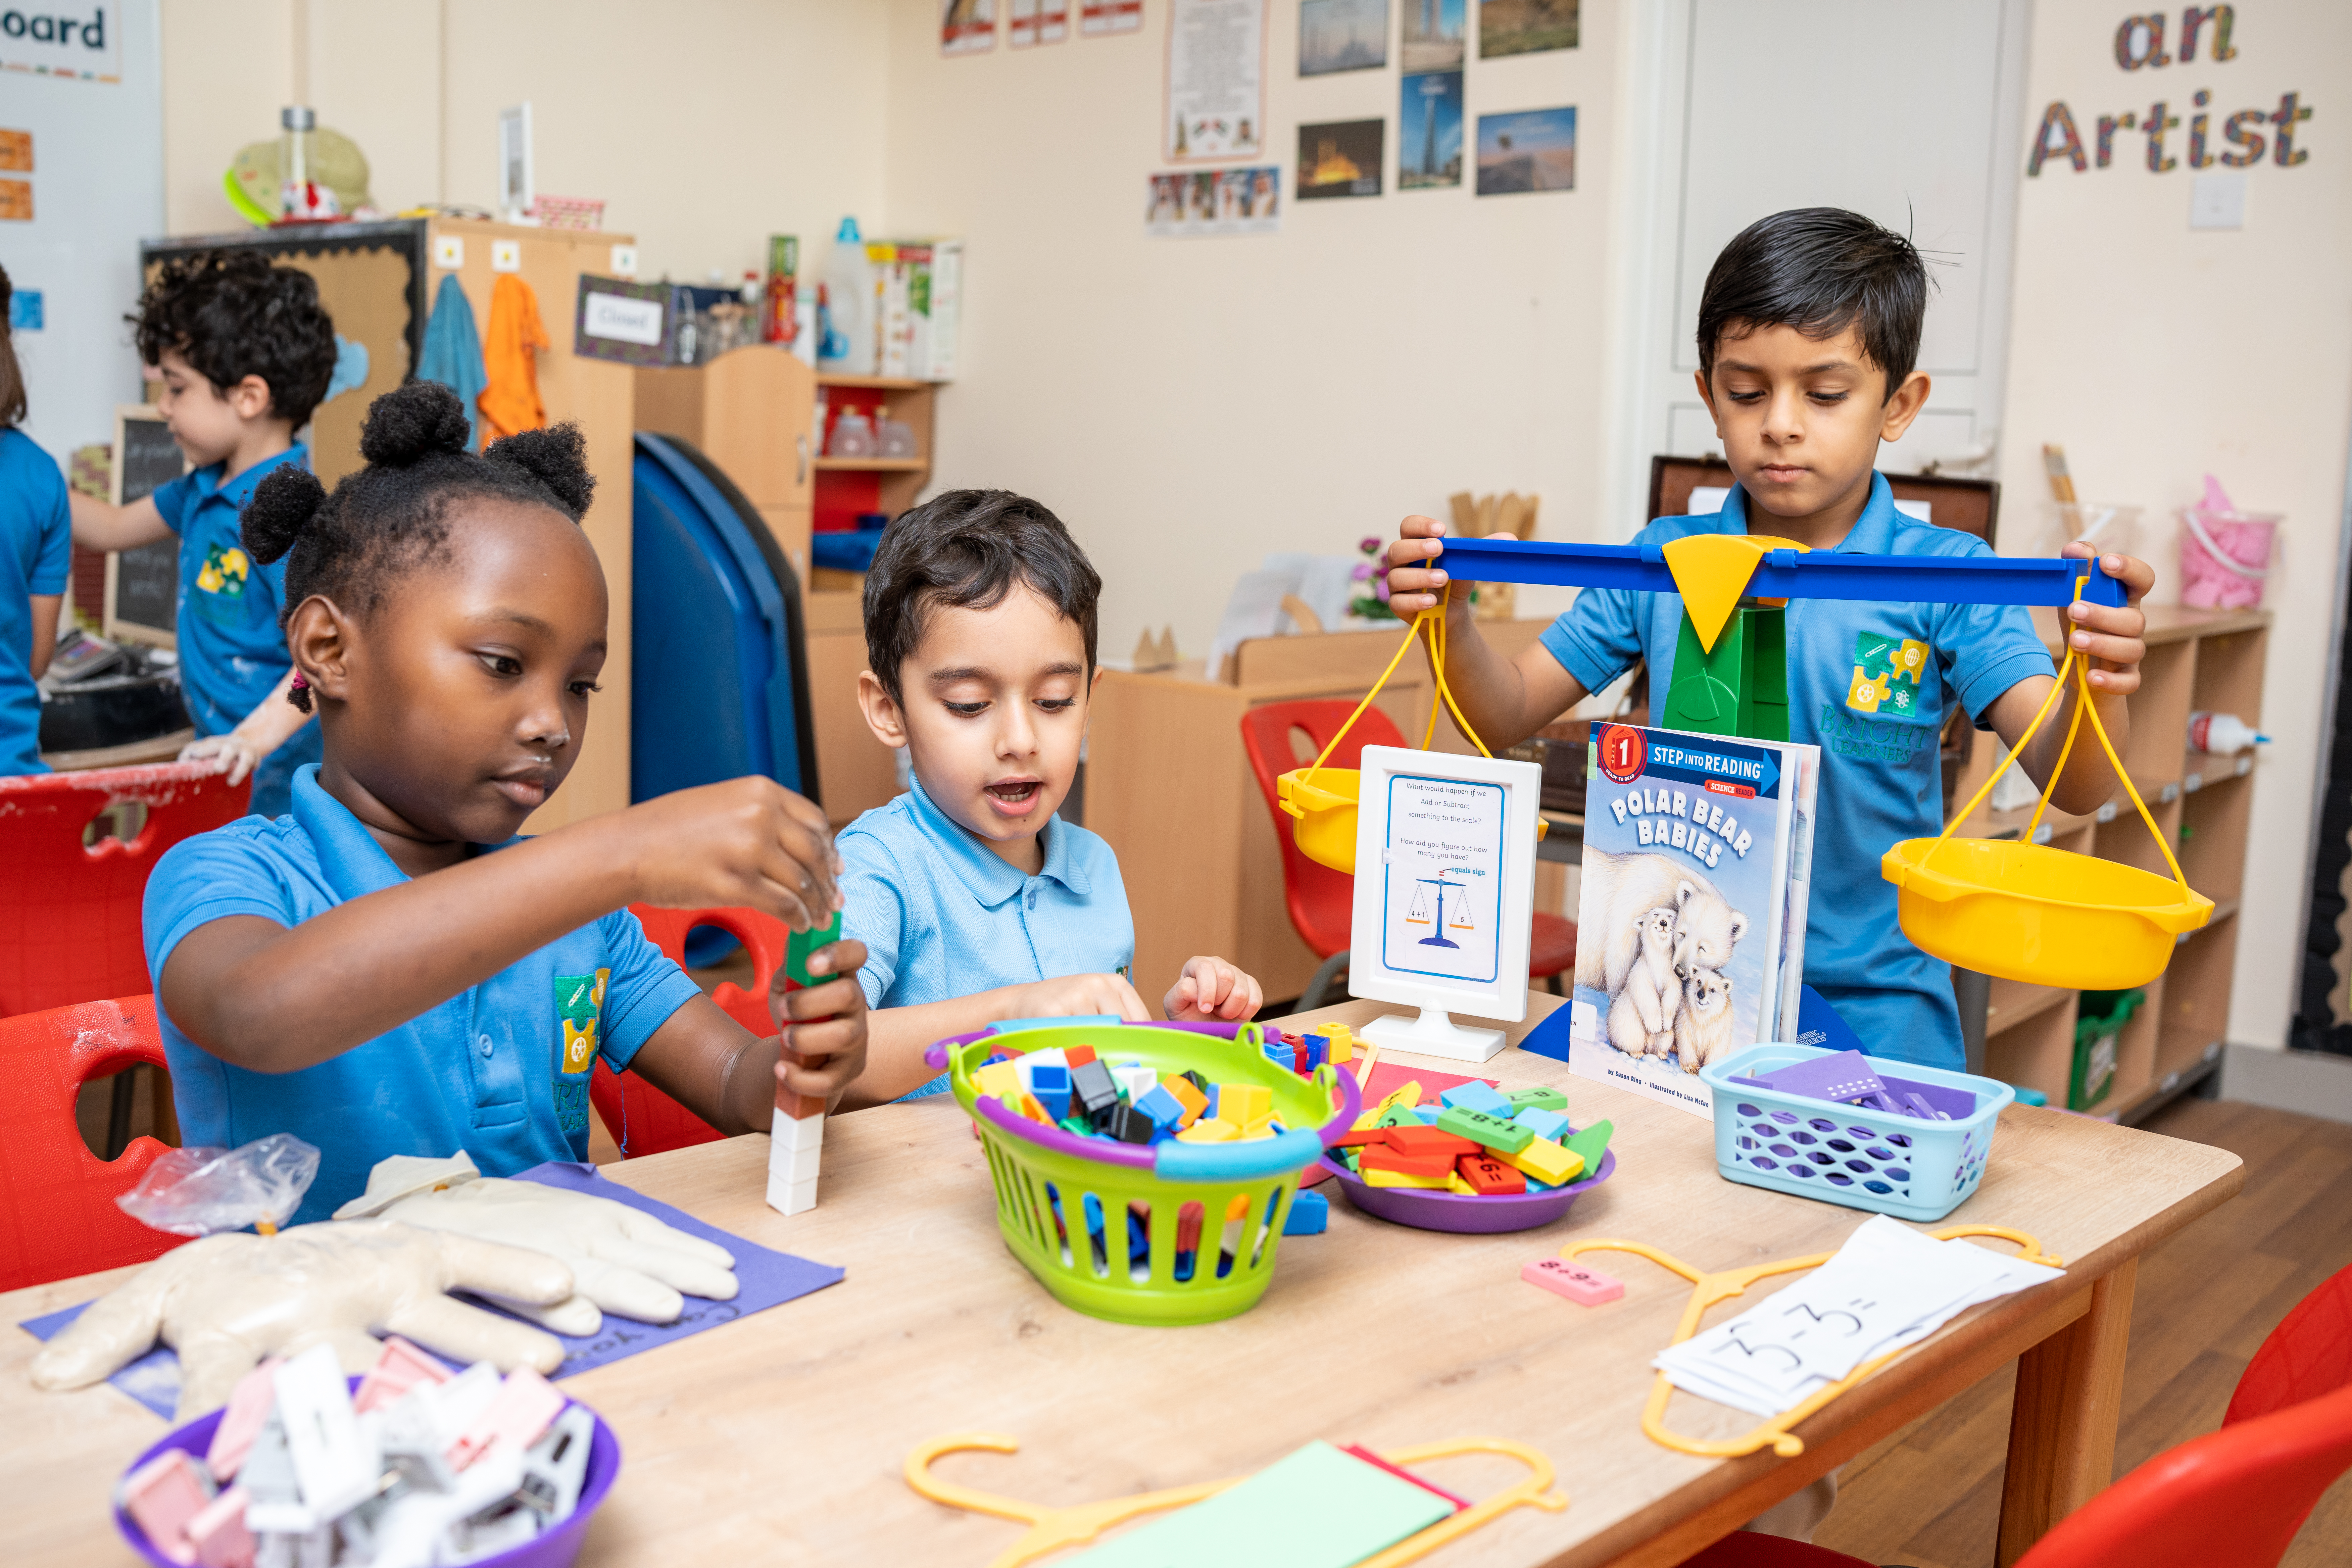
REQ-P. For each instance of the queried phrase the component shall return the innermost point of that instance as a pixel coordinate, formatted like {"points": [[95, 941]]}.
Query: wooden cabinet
{"points": [[855, 773], [750, 412], [2197, 661]]}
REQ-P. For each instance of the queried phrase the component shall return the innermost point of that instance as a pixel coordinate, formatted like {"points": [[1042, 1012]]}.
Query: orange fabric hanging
{"points": [[509, 353]]}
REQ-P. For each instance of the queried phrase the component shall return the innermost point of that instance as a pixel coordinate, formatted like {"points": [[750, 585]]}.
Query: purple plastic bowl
{"points": [[552, 1549], [1460, 1213]]}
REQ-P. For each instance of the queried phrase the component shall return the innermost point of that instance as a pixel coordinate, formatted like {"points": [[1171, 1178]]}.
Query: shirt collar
{"points": [[354, 863], [991, 878], [1873, 532], [239, 491]]}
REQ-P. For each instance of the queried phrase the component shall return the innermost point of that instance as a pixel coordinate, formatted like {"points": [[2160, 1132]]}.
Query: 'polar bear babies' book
{"points": [[1691, 925]]}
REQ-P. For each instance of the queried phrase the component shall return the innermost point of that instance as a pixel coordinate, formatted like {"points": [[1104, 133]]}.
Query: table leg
{"points": [[2061, 1428]]}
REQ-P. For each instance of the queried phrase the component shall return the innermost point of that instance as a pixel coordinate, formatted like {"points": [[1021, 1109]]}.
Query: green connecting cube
{"points": [[805, 943]]}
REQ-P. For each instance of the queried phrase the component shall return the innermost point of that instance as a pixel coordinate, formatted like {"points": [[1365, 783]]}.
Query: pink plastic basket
{"points": [[2225, 556]]}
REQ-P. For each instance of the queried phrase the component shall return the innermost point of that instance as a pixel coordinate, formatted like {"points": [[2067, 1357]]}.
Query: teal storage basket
{"points": [[1864, 1159]]}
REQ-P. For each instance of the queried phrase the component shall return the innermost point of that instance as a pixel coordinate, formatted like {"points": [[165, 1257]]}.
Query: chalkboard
{"points": [[142, 585]]}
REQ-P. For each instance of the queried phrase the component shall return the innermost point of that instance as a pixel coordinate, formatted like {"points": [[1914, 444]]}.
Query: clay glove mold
{"points": [[227, 1302], [622, 1261]]}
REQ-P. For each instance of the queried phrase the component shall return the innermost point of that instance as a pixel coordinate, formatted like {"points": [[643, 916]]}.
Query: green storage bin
{"points": [[2099, 1023]]}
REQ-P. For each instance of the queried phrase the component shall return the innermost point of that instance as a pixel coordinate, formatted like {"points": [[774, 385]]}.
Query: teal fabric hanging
{"points": [[453, 351]]}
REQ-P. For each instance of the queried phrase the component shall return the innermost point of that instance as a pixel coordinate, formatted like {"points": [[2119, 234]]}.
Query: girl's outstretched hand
{"points": [[748, 843], [823, 1026]]}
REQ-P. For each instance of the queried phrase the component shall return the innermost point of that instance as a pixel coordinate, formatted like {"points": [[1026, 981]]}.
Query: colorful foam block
{"points": [[1399, 1179], [1429, 1141], [1573, 1281], [1476, 1095], [1544, 1123], [1359, 1138], [1167, 1112], [1243, 1103], [1310, 1214], [1488, 1176], [1406, 1094], [1398, 1116], [1590, 1143], [1381, 1157], [998, 1078], [1541, 1094], [1209, 1130], [1548, 1161], [1195, 1103], [1503, 1136]]}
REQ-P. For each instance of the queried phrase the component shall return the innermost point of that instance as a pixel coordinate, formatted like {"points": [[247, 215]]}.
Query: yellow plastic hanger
{"points": [[1707, 1289], [1050, 1529]]}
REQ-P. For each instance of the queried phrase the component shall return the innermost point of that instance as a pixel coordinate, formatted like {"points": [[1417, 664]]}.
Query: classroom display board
{"points": [[142, 585], [1445, 851]]}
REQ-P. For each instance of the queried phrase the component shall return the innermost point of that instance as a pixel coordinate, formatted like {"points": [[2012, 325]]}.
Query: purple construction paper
{"points": [[1959, 1104], [1843, 1076], [767, 1279]]}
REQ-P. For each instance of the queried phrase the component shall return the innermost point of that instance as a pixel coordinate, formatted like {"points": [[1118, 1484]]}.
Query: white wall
{"points": [[1189, 405], [2155, 353]]}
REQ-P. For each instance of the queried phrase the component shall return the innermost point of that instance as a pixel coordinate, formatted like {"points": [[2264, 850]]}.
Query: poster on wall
{"points": [[1028, 22], [1534, 150], [80, 41], [1433, 31], [1187, 204], [967, 27], [1216, 78], [1342, 35], [1525, 26], [1340, 158], [1428, 131], [1099, 18]]}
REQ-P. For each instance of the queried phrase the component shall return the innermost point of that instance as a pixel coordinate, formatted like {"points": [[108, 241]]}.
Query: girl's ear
{"points": [[318, 637], [883, 715]]}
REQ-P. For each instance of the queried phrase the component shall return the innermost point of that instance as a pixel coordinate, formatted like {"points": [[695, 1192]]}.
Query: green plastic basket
{"points": [[1098, 1223]]}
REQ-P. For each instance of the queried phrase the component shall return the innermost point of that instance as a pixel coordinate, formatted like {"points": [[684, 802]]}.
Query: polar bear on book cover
{"points": [[1624, 888]]}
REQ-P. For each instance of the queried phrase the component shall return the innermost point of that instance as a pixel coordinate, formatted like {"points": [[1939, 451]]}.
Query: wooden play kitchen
{"points": [[1369, 1333]]}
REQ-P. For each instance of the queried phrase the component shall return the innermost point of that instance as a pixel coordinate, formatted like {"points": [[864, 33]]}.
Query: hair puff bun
{"points": [[283, 505], [421, 419], [557, 458]]}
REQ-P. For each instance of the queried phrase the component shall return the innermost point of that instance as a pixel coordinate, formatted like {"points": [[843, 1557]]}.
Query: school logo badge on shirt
{"points": [[1886, 675], [225, 572], [579, 1004]]}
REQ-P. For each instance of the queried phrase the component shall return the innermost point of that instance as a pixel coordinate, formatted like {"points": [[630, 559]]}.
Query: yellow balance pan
{"points": [[1324, 821], [2026, 911]]}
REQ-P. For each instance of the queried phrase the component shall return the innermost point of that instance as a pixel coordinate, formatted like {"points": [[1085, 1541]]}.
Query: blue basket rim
{"points": [[1992, 1095]]}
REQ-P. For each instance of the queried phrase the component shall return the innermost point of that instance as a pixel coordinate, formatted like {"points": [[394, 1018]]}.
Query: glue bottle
{"points": [[2221, 734]]}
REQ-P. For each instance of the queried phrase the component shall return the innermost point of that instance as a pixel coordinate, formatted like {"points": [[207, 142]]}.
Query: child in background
{"points": [[386, 969], [245, 351], [36, 559], [974, 902], [1808, 330]]}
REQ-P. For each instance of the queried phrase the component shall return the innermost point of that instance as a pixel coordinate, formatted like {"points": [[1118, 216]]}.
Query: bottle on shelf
{"points": [[806, 314], [2222, 735], [893, 437], [849, 335], [853, 436]]}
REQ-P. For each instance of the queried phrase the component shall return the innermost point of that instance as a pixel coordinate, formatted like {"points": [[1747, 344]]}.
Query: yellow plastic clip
{"points": [[1051, 1528], [1707, 1289]]}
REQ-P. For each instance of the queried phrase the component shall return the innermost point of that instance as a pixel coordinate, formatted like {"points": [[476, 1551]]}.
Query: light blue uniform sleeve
{"points": [[172, 499], [876, 911], [53, 562], [1597, 637], [205, 878], [643, 989]]}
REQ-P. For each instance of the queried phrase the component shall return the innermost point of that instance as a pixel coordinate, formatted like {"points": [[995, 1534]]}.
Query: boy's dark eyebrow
{"points": [[1808, 370], [974, 672]]}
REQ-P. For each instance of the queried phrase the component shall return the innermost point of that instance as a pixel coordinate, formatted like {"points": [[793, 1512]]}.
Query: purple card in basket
{"points": [[1844, 1075]]}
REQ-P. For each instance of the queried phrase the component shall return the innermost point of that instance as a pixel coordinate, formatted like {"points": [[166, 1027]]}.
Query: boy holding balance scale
{"points": [[1808, 331]]}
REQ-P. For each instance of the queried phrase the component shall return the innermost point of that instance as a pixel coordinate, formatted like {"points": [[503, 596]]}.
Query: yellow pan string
{"points": [[1430, 623]]}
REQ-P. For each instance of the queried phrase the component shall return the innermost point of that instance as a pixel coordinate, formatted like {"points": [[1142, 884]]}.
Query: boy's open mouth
{"points": [[1014, 797]]}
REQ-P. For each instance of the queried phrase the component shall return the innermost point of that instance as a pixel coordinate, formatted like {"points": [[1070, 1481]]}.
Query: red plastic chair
{"points": [[57, 1216], [1321, 900], [642, 1119], [69, 914], [2232, 1498]]}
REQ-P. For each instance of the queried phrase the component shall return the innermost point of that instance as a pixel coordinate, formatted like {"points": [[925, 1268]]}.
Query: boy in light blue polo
{"points": [[1809, 327], [975, 900]]}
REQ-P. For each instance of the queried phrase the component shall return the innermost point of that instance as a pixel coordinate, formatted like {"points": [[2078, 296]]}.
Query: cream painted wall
{"points": [[1189, 405], [2155, 353]]}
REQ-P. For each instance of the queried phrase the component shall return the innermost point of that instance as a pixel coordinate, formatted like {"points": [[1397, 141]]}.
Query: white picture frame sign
{"points": [[1445, 856]]}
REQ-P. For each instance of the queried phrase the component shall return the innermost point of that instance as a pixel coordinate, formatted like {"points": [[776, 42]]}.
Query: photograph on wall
{"points": [[1184, 206], [1341, 158], [1433, 31], [1099, 18], [1342, 35], [967, 27], [1525, 26], [1029, 22], [1534, 150], [1216, 78], [1428, 131]]}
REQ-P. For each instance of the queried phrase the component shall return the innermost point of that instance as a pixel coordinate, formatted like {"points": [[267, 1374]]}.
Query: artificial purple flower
{"points": [[1381, 588], [1369, 546], [1363, 571]]}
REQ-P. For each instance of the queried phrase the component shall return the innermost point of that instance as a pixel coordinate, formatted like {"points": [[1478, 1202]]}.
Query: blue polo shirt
{"points": [[500, 1070], [943, 916], [1876, 715], [232, 651], [36, 558]]}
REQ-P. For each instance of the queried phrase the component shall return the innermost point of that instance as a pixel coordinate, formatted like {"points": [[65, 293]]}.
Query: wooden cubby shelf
{"points": [[2196, 660]]}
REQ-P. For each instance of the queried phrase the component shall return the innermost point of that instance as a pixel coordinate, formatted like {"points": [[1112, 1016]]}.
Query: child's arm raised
{"points": [[277, 999], [1505, 700], [98, 525]]}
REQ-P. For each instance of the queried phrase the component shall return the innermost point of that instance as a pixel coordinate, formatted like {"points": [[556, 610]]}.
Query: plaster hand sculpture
{"points": [[622, 1261], [227, 1302]]}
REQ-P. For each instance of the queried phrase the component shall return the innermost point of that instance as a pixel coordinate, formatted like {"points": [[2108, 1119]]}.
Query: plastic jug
{"points": [[2221, 734], [849, 300]]}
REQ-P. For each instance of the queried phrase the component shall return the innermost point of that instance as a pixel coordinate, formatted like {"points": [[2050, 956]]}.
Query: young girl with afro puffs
{"points": [[389, 969]]}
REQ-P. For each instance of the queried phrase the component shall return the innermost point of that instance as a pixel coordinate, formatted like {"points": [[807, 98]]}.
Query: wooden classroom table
{"points": [[780, 1437]]}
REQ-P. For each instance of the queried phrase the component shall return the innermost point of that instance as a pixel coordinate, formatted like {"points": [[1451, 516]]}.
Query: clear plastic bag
{"points": [[201, 1192]]}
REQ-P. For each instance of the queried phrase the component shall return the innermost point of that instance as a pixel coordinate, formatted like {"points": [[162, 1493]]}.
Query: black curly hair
{"points": [[1820, 270], [231, 314], [12, 379], [394, 514]]}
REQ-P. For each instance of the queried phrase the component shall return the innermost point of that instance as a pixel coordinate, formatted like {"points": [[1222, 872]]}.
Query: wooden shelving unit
{"points": [[848, 486], [2196, 660]]}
